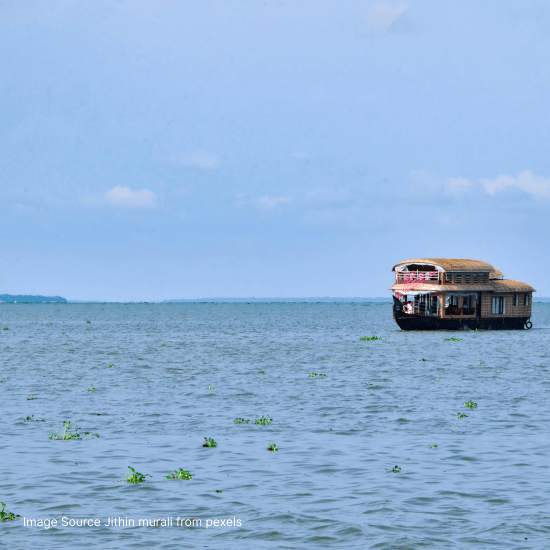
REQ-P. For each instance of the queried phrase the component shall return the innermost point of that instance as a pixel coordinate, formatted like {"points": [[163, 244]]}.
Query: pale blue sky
{"points": [[184, 149]]}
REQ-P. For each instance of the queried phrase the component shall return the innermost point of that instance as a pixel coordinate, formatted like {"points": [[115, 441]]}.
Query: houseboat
{"points": [[450, 294]]}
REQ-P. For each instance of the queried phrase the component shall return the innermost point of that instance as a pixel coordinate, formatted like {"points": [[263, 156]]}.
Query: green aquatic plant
{"points": [[135, 477], [211, 387], [6, 328], [272, 447], [261, 372], [423, 359], [432, 446], [91, 388], [451, 339], [367, 338], [31, 419], [123, 420], [314, 374], [31, 397], [462, 415], [110, 366], [480, 362], [5, 516], [395, 469], [219, 491], [263, 421], [209, 442], [241, 421], [88, 321], [2, 379], [470, 404], [71, 435], [162, 345], [180, 474]]}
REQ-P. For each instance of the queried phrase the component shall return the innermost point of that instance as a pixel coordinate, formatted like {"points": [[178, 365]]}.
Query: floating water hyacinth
{"points": [[110, 366], [263, 421], [314, 374], [470, 404], [6, 328], [395, 469], [451, 339], [462, 415], [31, 419], [91, 388], [211, 387], [241, 421], [5, 516], [136, 477], [423, 359], [433, 446], [367, 338], [219, 491], [209, 442], [180, 474], [272, 447], [71, 435]]}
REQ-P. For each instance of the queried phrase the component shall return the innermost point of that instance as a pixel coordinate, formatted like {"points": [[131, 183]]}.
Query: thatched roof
{"points": [[496, 274], [497, 285], [507, 285], [449, 264]]}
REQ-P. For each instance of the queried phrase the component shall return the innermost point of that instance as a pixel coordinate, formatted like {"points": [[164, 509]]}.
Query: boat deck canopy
{"points": [[496, 285], [450, 265]]}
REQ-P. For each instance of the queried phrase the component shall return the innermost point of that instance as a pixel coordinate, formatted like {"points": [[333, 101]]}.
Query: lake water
{"points": [[330, 484]]}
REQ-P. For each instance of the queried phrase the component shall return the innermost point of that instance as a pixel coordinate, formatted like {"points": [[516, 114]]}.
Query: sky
{"points": [[162, 149]]}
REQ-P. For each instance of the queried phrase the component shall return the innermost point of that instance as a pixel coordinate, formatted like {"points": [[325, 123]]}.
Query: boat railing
{"points": [[417, 277]]}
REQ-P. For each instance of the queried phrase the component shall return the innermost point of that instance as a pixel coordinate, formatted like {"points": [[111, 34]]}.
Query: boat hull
{"points": [[420, 322]]}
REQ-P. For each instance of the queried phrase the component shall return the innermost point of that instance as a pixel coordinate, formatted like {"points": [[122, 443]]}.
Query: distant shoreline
{"points": [[30, 298], [38, 299]]}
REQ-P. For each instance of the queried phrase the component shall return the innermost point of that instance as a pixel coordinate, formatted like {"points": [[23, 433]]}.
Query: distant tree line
{"points": [[28, 298]]}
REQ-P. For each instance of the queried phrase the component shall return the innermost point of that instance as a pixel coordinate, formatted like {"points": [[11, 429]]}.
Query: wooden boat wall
{"points": [[455, 294]]}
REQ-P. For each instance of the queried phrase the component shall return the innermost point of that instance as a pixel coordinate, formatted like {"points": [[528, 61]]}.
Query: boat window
{"points": [[483, 279], [448, 278], [475, 278], [467, 279], [459, 278], [516, 299], [526, 300], [499, 305]]}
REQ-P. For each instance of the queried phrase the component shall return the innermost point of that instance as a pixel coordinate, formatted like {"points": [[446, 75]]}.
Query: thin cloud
{"points": [[124, 197], [300, 156], [270, 203], [382, 15], [196, 159], [322, 194], [457, 186], [536, 186]]}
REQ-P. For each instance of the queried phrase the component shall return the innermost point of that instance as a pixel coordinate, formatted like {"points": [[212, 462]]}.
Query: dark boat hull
{"points": [[420, 322], [408, 321]]}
